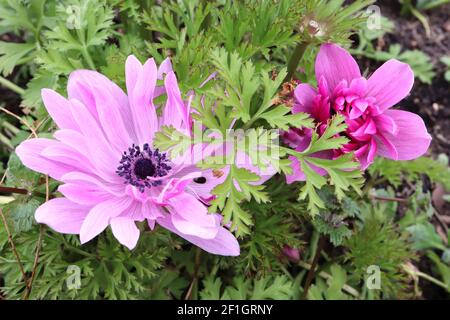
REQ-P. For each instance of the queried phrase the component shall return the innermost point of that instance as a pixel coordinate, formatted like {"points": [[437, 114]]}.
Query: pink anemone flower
{"points": [[110, 172], [373, 127]]}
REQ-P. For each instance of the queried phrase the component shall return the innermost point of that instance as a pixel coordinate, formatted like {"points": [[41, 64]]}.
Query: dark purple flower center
{"points": [[143, 168]]}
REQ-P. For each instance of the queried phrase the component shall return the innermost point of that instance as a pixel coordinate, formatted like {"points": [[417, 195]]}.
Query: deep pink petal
{"points": [[335, 64], [58, 108], [126, 231], [99, 217], [62, 215], [390, 83], [412, 139], [224, 243], [386, 124], [304, 98]]}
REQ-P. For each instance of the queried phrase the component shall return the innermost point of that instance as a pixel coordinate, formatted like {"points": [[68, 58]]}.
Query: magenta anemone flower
{"points": [[373, 127], [110, 172]]}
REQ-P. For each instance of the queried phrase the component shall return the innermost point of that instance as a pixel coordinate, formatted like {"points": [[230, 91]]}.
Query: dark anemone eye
{"points": [[144, 168], [200, 180], [140, 166]]}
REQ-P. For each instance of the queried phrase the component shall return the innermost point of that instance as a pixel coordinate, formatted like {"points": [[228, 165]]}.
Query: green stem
{"points": [[88, 58], [12, 86], [295, 59]]}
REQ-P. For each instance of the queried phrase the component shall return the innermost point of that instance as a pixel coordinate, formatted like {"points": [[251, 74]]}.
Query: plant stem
{"points": [[35, 263], [88, 58], [299, 51], [13, 247], [310, 276], [12, 86]]}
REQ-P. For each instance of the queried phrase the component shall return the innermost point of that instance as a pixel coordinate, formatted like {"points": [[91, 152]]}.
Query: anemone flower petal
{"points": [[84, 193], [164, 68], [224, 243], [81, 87], [141, 88], [99, 217], [175, 112], [100, 150], [390, 83], [125, 230], [29, 152], [412, 139], [304, 96], [335, 64], [111, 121], [190, 209], [58, 108], [62, 215]]}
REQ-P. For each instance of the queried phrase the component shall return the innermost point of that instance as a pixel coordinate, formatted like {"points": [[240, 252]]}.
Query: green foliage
{"points": [[343, 171], [376, 242], [242, 48], [394, 171], [331, 289], [274, 288]]}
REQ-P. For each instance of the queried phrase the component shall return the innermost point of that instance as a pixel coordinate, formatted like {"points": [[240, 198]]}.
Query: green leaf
{"points": [[13, 54]]}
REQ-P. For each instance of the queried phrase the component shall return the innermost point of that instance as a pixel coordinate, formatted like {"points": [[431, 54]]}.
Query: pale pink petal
{"points": [[61, 153], [84, 193], [103, 157], [412, 139], [164, 68], [29, 152], [111, 120], [224, 243], [141, 89], [390, 83], [62, 215], [99, 217], [304, 98], [335, 64], [192, 228], [209, 179], [125, 230], [81, 87], [58, 108], [72, 139], [175, 112], [133, 68], [190, 216]]}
